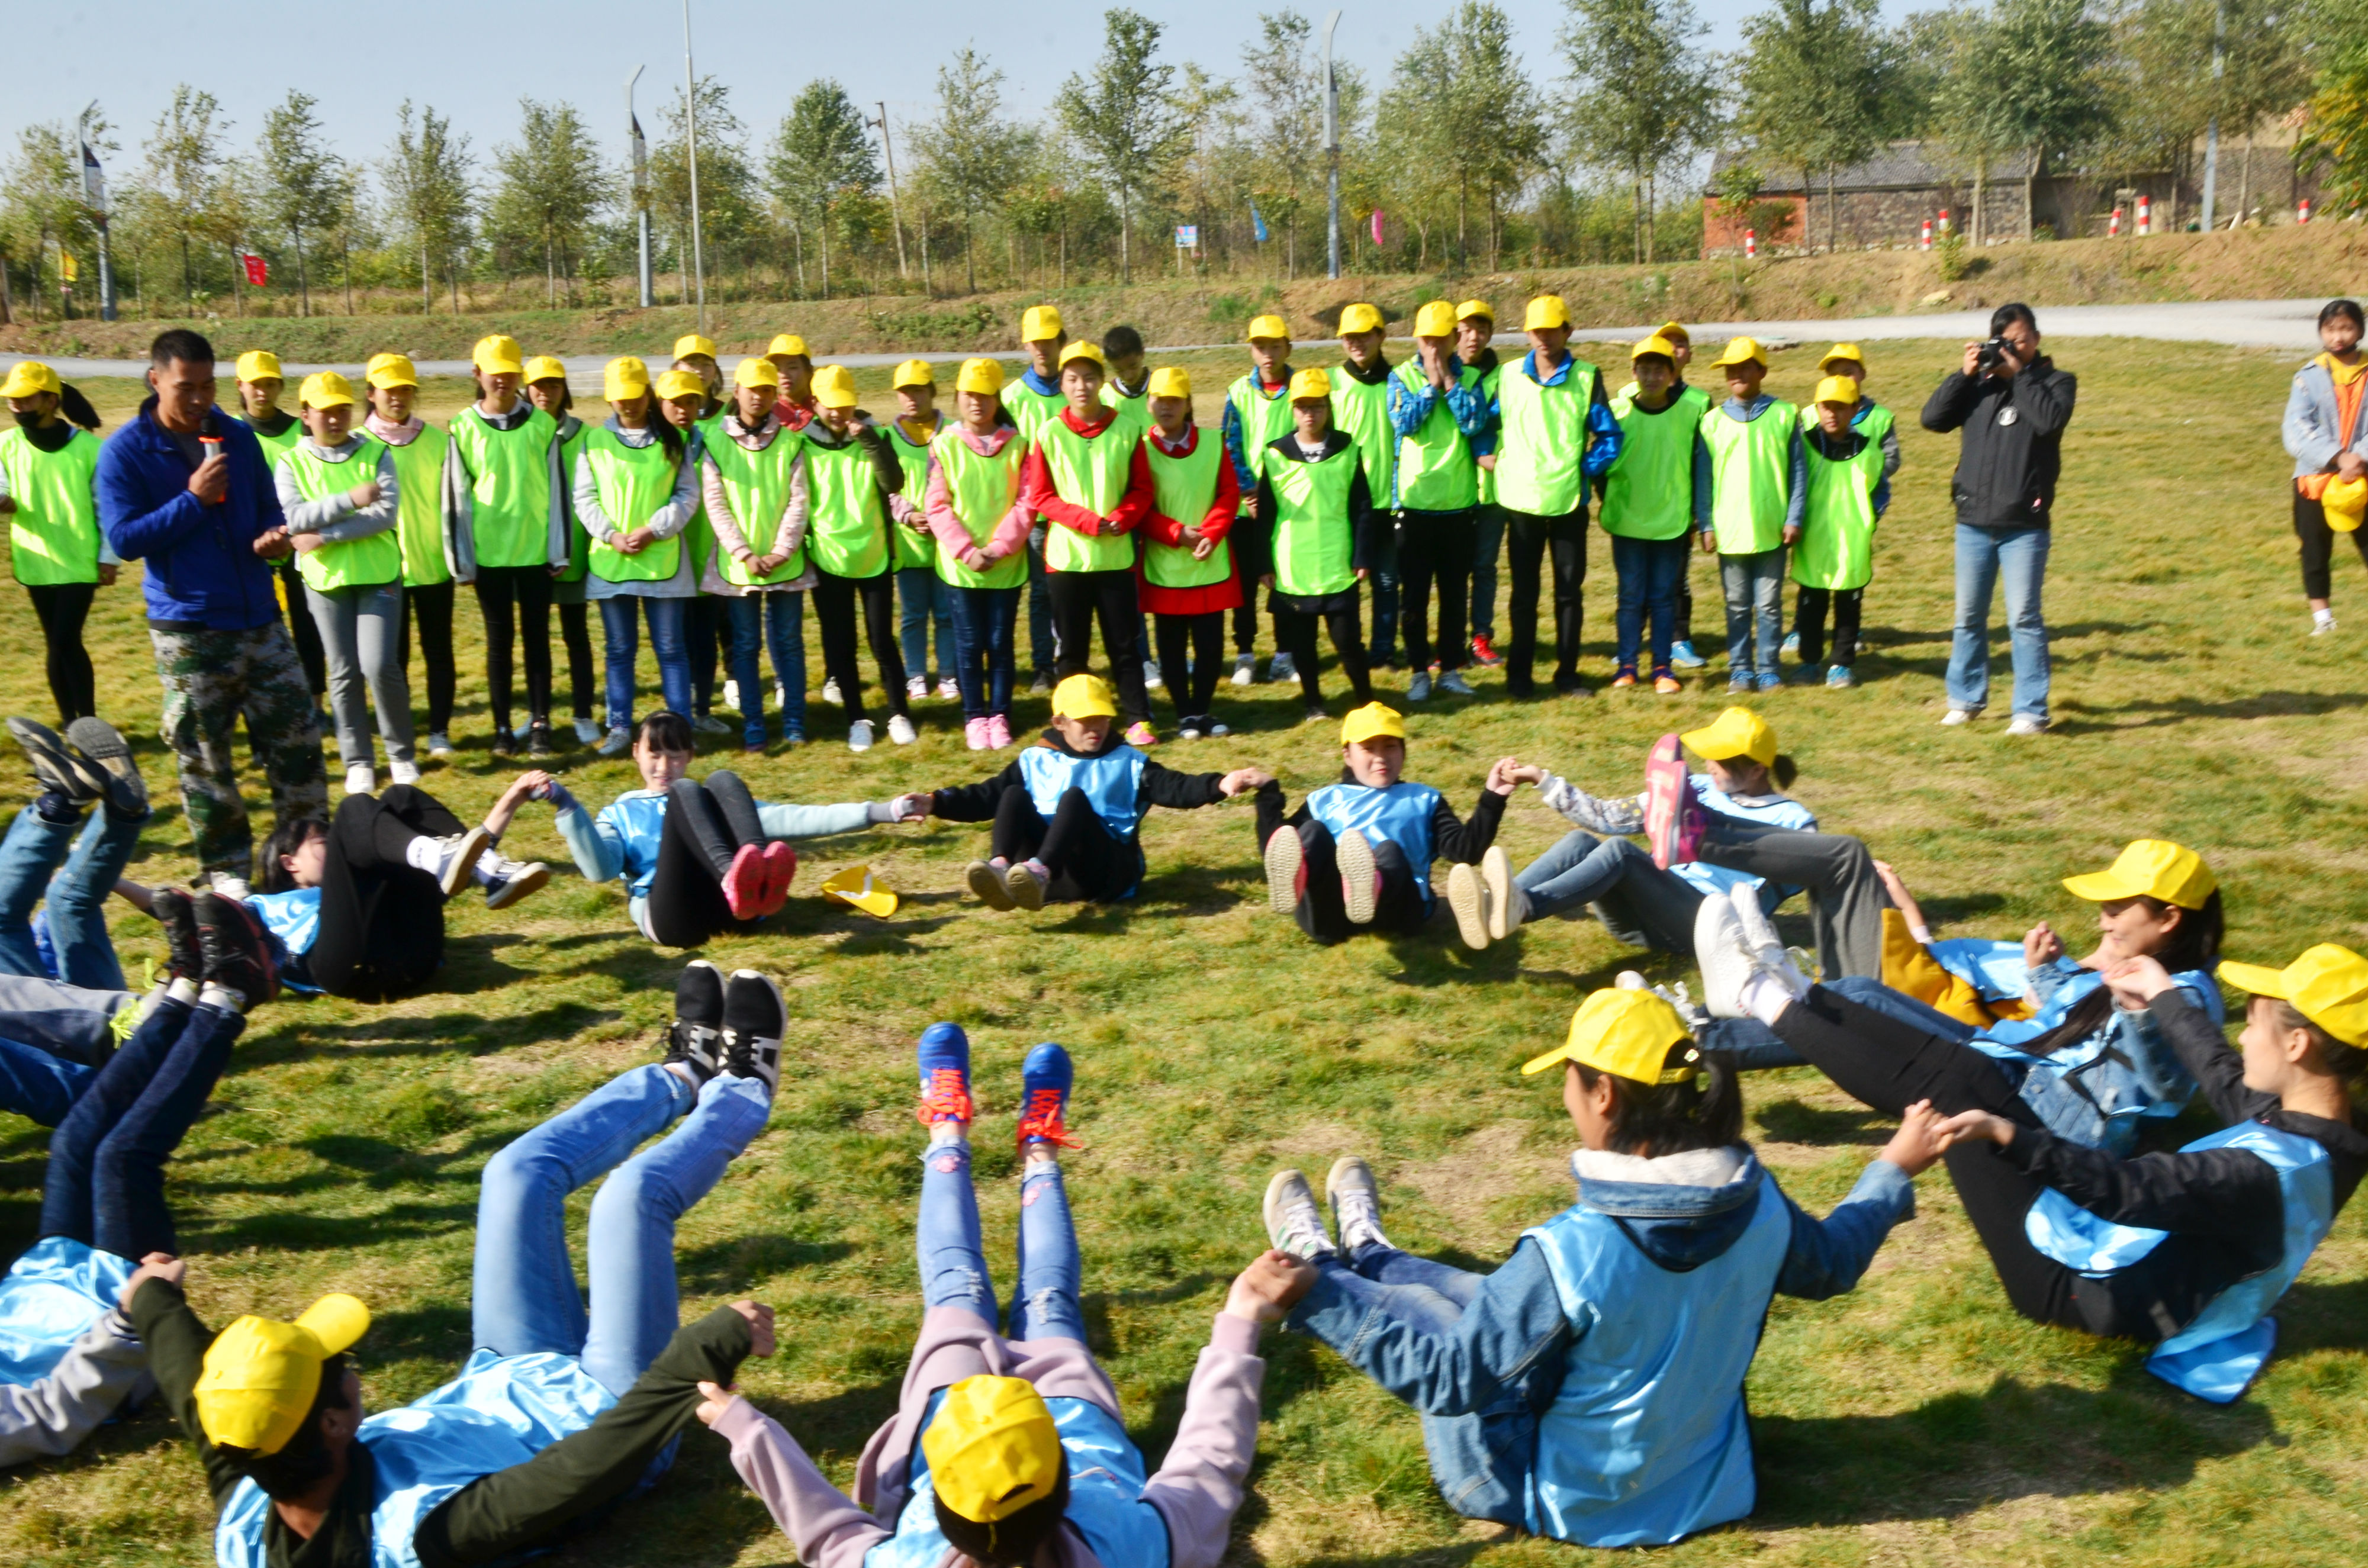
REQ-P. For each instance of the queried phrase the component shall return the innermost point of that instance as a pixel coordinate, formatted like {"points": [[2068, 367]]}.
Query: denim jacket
{"points": [[2096, 1092], [2310, 432]]}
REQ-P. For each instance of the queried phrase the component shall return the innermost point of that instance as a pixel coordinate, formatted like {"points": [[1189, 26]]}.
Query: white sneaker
{"points": [[1245, 669], [1152, 679], [439, 744], [1293, 1223], [457, 857], [1467, 895], [509, 880], [830, 692], [949, 689], [731, 693], [900, 731], [1956, 716], [588, 732], [1768, 949], [2024, 724], [2322, 622], [362, 779], [1215, 730], [1628, 980], [404, 772], [1356, 1201], [917, 688], [858, 735], [232, 887], [1724, 957], [619, 742]]}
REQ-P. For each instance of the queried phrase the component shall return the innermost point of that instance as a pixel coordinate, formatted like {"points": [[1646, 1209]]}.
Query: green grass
{"points": [[1916, 1421]]}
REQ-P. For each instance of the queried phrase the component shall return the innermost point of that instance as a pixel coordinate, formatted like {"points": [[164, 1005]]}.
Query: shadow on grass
{"points": [[295, 1036], [1789, 1121], [2188, 710]]}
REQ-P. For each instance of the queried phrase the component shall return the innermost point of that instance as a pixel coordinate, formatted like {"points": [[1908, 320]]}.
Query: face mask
{"points": [[26, 418]]}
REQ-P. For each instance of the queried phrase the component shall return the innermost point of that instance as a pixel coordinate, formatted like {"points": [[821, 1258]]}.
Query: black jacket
{"points": [[1360, 495], [1452, 838], [2013, 445]]}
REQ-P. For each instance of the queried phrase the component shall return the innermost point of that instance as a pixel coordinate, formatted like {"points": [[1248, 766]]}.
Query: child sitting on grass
{"points": [[1069, 812], [1358, 853], [1591, 1389], [1010, 1452]]}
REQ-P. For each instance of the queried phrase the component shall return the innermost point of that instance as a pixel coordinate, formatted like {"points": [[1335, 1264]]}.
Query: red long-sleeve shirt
{"points": [[1037, 490], [1216, 525]]}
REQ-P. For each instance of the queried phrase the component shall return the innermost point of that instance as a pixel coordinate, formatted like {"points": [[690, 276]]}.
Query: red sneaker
{"points": [[781, 866], [745, 882], [1672, 817], [1484, 653]]}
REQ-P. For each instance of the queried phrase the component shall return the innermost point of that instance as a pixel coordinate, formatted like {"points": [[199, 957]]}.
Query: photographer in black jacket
{"points": [[2012, 403]]}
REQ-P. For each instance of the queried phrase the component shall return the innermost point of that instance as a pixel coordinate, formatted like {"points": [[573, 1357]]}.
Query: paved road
{"points": [[2259, 324]]}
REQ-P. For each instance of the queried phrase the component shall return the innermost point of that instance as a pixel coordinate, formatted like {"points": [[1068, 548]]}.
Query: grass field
{"points": [[1916, 1421]]}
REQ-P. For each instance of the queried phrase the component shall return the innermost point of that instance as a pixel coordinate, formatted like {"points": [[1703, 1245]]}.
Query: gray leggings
{"points": [[361, 633]]}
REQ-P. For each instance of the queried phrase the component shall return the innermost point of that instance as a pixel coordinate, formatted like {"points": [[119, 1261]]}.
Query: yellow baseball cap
{"points": [[983, 377], [1656, 343], [29, 378], [1481, 308], [1038, 323], [625, 377], [691, 342], [1740, 351], [834, 387], [992, 1447], [1310, 383], [1171, 381], [543, 368], [1675, 331], [1082, 350], [390, 370], [1545, 313], [786, 344], [1625, 1033], [857, 888], [1849, 351], [681, 384], [495, 355], [1738, 732], [1083, 696], [325, 389], [260, 1376], [1436, 319], [1838, 389], [1370, 722], [2328, 985], [755, 371], [1360, 317], [2151, 868], [259, 365], [914, 373], [1267, 326]]}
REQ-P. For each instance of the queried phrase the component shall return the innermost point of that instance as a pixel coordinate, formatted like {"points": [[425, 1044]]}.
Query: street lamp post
{"points": [[1332, 147], [691, 129], [641, 187], [94, 195], [895, 211]]}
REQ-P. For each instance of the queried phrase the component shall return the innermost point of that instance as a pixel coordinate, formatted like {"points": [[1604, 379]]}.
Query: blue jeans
{"points": [[983, 663], [1642, 905], [1755, 603], [77, 894], [778, 621], [1487, 544], [37, 1086], [105, 1186], [1983, 556], [953, 1264], [923, 597], [525, 1298], [1043, 648], [1649, 571], [1754, 1044], [620, 627]]}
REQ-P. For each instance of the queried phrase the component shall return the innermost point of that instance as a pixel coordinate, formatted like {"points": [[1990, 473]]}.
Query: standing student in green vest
{"points": [[1030, 400], [341, 495], [48, 460], [850, 473], [1554, 434], [636, 490], [1128, 390], [505, 529], [1189, 579], [1361, 410], [1440, 419], [759, 572], [1759, 495], [419, 449], [1257, 409], [546, 388], [1655, 497], [1871, 420], [705, 633], [924, 597], [795, 408], [1681, 347], [1312, 485], [260, 385], [1475, 337], [1848, 494], [980, 519]]}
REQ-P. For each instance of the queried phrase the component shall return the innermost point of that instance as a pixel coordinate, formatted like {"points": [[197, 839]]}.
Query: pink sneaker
{"points": [[1673, 818], [1141, 734], [998, 731], [746, 882], [975, 734], [781, 867]]}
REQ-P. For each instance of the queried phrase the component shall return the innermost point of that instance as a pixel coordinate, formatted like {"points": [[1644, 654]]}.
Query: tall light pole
{"points": [[691, 129], [896, 213], [2212, 130], [94, 195], [1332, 147], [641, 187]]}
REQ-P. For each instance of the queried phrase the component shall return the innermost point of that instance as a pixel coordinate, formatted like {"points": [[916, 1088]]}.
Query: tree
{"points": [[2337, 127], [1283, 77], [1637, 77], [822, 155], [185, 169], [1463, 111], [1124, 120], [969, 154], [2041, 63], [428, 177], [727, 185], [301, 181], [550, 187], [41, 201], [1814, 74]]}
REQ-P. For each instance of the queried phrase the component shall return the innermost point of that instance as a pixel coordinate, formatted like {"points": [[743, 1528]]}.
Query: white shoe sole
{"points": [[987, 885], [473, 844], [1283, 858], [536, 877], [1496, 875], [1468, 898], [1026, 891], [1355, 856]]}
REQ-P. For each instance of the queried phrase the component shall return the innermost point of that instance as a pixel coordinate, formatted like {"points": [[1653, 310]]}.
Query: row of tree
{"points": [[1478, 150]]}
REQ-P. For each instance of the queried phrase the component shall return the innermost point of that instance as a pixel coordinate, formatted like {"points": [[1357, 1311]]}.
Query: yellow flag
{"points": [[67, 268]]}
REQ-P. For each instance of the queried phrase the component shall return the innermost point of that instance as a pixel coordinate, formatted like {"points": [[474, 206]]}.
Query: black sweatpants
{"points": [[431, 609], [834, 604], [515, 604], [62, 607], [584, 677], [1080, 598], [2318, 545], [1192, 684], [1809, 622], [301, 630], [1533, 539], [1251, 541], [1435, 546], [1294, 633], [702, 635], [707, 822], [381, 919], [1089, 864], [1322, 912]]}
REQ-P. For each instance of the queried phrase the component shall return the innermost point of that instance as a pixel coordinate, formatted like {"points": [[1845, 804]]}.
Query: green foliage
{"points": [[302, 184], [550, 187], [1463, 125], [1123, 119], [822, 162], [1638, 77]]}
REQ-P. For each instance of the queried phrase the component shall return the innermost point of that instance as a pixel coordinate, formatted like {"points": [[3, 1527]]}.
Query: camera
{"points": [[1991, 352]]}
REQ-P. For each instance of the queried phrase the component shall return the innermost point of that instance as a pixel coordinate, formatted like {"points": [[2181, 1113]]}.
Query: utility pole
{"points": [[2212, 130], [691, 131], [1332, 148], [641, 187], [94, 195], [896, 212]]}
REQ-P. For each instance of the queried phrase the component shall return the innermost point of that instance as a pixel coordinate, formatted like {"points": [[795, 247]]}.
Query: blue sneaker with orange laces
{"points": [[1044, 1081], [945, 1075]]}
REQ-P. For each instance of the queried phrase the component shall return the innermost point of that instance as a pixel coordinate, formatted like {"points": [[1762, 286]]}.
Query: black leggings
{"points": [[583, 675], [707, 823], [301, 627], [514, 601], [431, 606], [702, 630], [2318, 546], [1294, 633], [1809, 622], [834, 603], [1192, 684], [62, 607], [1082, 598], [1089, 865], [1322, 912], [381, 919]]}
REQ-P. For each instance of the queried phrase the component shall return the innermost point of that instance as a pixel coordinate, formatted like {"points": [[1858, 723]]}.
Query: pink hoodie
{"points": [[1009, 535]]}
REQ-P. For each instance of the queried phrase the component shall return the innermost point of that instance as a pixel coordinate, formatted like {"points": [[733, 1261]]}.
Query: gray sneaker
{"points": [[620, 742], [1293, 1223], [1283, 667], [1356, 1202], [511, 880], [1418, 687], [56, 765], [97, 743], [1454, 684]]}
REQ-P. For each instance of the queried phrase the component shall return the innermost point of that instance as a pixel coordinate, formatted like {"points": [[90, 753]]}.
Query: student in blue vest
{"points": [[1068, 813], [1440, 415], [1591, 1389], [56, 550], [1357, 855], [1759, 494], [561, 1410], [1319, 525], [1008, 1451]]}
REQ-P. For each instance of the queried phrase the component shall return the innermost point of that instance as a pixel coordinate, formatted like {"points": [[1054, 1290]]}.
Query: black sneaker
{"points": [[56, 765], [99, 743], [175, 912], [504, 744], [539, 741], [754, 1019], [695, 1037], [235, 953]]}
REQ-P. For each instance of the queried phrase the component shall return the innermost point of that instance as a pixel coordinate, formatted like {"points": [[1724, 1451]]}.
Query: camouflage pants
{"points": [[212, 680]]}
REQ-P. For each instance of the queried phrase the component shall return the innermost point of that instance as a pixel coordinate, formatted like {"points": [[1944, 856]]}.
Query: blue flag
{"points": [[1258, 226]]}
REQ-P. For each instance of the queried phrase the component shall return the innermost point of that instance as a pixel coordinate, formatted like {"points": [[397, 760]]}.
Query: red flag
{"points": [[258, 272], [1377, 226]]}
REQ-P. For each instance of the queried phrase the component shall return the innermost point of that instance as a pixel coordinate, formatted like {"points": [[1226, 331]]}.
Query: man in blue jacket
{"points": [[185, 490]]}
